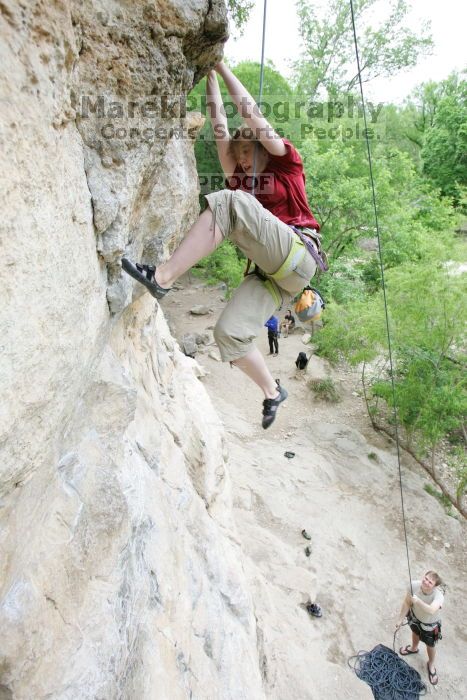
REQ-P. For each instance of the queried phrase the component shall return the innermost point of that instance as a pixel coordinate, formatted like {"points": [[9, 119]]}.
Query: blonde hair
{"points": [[436, 577], [243, 133]]}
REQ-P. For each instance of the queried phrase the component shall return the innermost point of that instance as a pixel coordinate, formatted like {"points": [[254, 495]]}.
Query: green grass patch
{"points": [[324, 389]]}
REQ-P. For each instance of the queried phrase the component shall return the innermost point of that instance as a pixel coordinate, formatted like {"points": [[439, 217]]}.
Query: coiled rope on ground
{"points": [[388, 676]]}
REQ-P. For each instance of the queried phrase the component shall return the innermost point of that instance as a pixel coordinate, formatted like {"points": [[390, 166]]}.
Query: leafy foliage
{"points": [[329, 60], [239, 12], [444, 152], [346, 284], [427, 322], [223, 265], [341, 197], [434, 122]]}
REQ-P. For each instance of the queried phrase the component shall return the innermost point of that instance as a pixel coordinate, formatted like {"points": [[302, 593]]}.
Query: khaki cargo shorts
{"points": [[267, 241]]}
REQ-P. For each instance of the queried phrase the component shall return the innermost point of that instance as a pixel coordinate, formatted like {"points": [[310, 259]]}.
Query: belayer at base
{"points": [[422, 606]]}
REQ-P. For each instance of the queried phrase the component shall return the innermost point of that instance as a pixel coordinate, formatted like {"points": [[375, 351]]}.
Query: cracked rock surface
{"points": [[120, 570]]}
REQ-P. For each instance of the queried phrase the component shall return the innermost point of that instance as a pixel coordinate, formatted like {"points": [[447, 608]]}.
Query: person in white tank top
{"points": [[422, 607]]}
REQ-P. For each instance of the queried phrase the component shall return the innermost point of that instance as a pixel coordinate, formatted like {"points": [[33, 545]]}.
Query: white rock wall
{"points": [[120, 572]]}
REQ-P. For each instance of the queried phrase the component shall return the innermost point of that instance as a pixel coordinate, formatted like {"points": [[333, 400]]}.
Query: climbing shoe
{"points": [[145, 275], [314, 610], [270, 406]]}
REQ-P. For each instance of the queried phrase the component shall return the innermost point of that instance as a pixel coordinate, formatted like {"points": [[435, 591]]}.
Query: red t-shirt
{"points": [[280, 188]]}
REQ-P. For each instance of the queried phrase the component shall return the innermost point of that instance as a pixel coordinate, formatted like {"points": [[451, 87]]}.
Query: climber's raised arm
{"points": [[250, 112], [219, 123]]}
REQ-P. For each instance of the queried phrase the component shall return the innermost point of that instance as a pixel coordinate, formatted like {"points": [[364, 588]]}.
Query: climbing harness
{"points": [[312, 242], [427, 631], [269, 283], [292, 261], [274, 291]]}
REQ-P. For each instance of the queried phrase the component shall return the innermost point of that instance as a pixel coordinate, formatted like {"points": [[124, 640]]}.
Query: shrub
{"points": [[223, 265], [324, 389]]}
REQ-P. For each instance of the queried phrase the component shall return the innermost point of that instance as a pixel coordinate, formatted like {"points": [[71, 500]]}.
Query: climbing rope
{"points": [[260, 93], [380, 253], [388, 676]]}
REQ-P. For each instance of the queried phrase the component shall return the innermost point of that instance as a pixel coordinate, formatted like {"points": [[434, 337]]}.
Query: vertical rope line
{"points": [[261, 81], [380, 252]]}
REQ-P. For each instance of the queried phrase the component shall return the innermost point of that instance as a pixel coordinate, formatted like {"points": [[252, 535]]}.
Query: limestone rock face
{"points": [[120, 572]]}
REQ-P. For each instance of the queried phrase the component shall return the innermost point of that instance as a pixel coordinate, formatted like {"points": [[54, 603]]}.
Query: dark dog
{"points": [[301, 361]]}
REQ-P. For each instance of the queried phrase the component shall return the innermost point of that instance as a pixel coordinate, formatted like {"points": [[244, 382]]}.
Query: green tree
{"points": [[275, 86], [426, 99], [328, 62], [413, 220], [444, 151], [401, 130], [239, 12], [432, 128], [427, 321]]}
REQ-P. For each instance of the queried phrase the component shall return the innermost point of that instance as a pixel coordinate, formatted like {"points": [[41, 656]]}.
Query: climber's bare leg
{"points": [[200, 240], [254, 366]]}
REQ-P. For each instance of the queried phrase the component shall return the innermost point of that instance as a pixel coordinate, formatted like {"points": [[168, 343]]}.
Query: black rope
{"points": [[261, 81], [380, 252], [388, 676], [263, 44]]}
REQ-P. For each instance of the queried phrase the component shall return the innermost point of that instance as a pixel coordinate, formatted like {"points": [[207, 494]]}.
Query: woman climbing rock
{"points": [[264, 211]]}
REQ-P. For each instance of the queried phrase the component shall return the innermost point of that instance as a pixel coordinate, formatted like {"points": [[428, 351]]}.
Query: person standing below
{"points": [[272, 324], [422, 609], [259, 221]]}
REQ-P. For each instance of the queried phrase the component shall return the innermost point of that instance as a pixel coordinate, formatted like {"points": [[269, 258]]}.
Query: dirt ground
{"points": [[342, 486]]}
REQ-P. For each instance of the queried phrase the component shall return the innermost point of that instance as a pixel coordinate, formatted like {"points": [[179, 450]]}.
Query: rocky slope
{"points": [[342, 486]]}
